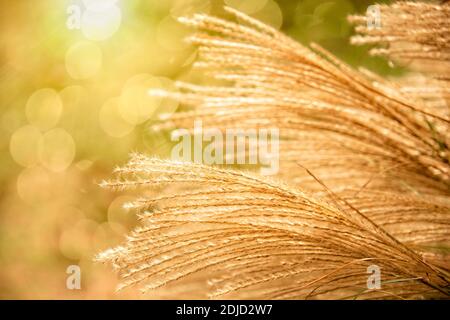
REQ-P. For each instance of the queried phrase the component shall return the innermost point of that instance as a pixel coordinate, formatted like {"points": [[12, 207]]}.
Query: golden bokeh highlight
{"points": [[99, 5], [170, 34], [56, 150], [248, 6], [72, 96], [136, 105], [267, 11], [119, 215], [270, 14], [34, 185], [24, 145], [85, 164], [83, 60], [44, 108], [100, 20], [112, 121], [188, 7]]}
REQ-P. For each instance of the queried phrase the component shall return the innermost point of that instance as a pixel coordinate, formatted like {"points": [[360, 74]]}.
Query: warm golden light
{"points": [[112, 121], [83, 60], [56, 150], [93, 93], [136, 105], [100, 20], [24, 145], [44, 108]]}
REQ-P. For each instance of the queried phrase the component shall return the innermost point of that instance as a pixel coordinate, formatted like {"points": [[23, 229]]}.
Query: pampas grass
{"points": [[411, 32], [313, 98], [246, 231], [375, 191]]}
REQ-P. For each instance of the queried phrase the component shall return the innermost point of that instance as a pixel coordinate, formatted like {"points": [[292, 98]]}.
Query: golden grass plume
{"points": [[379, 192]]}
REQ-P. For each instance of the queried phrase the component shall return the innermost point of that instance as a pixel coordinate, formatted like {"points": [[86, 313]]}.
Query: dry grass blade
{"points": [[255, 237]]}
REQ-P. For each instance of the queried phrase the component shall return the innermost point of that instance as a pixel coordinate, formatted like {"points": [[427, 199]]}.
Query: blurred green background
{"points": [[73, 104]]}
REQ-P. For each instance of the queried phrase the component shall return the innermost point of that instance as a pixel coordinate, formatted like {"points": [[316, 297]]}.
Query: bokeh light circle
{"points": [[24, 145], [100, 22], [44, 108], [34, 185], [72, 96], [171, 34], [119, 215], [99, 5], [248, 6], [270, 14], [56, 150], [188, 7], [83, 60], [111, 120], [136, 105]]}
